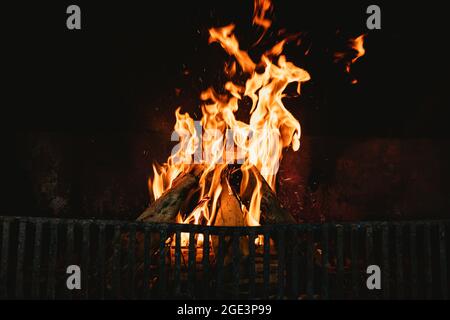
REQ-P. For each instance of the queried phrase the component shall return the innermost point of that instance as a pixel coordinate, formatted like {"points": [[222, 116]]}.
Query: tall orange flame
{"points": [[223, 139], [260, 9]]}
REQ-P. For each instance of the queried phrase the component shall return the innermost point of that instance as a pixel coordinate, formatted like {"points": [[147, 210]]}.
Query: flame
{"points": [[228, 41], [357, 44], [252, 214], [260, 9], [221, 138]]}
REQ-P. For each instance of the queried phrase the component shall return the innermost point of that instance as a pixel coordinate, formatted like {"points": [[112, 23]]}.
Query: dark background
{"points": [[86, 112]]}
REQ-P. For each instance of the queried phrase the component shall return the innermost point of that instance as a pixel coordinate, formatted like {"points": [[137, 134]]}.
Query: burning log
{"points": [[272, 211], [166, 208], [229, 214]]}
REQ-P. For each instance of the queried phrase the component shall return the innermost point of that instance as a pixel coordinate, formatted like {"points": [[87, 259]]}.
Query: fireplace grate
{"points": [[134, 260]]}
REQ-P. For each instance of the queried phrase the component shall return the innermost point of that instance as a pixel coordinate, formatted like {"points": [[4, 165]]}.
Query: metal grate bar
{"points": [[35, 281], [132, 261], [219, 265], [354, 258], [369, 245], [340, 260], [386, 260], [147, 261], [69, 251], [399, 260], [53, 247], [310, 263], [236, 264], [443, 260], [281, 262], [191, 263], [177, 275], [4, 260], [20, 257], [162, 263], [206, 263], [428, 272], [295, 264], [101, 261], [413, 260], [325, 261], [251, 264], [85, 259], [116, 267], [266, 264]]}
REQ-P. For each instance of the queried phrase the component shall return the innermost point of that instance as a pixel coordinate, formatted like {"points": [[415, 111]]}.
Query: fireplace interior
{"points": [[364, 182]]}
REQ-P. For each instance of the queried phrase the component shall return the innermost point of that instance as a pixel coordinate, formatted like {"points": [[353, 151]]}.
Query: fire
{"points": [[260, 9], [357, 45], [221, 139]]}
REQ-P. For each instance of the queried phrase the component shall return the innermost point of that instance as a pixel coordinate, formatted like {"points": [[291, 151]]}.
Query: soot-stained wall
{"points": [[88, 111], [105, 176]]}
